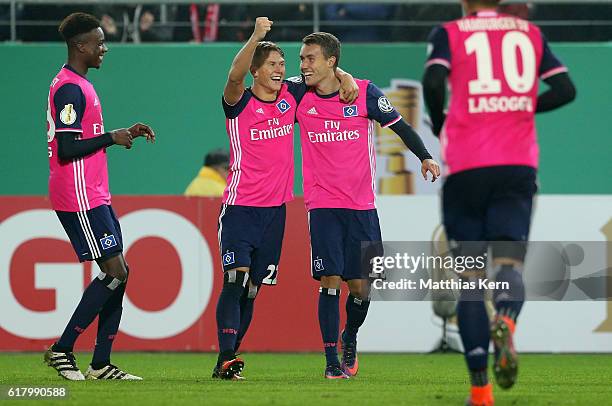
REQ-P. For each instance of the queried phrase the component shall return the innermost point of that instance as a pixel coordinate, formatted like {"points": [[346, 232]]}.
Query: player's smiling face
{"points": [[314, 65], [271, 74], [93, 48]]}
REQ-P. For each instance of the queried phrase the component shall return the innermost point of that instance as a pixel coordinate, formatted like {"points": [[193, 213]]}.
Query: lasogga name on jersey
{"points": [[274, 130], [500, 104], [333, 133]]}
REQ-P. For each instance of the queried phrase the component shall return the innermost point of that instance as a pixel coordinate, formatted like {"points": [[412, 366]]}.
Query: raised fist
{"points": [[262, 26]]}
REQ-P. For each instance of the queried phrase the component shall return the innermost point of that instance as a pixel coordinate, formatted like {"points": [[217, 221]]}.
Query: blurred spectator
{"points": [[149, 26], [209, 22], [132, 24], [210, 30], [236, 21], [350, 12], [202, 22], [115, 21], [211, 178]]}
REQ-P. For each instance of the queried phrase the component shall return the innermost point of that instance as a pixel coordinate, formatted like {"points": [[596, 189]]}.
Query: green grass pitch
{"points": [[277, 379]]}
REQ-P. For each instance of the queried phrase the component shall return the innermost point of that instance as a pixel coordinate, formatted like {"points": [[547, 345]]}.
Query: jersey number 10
{"points": [[519, 82]]}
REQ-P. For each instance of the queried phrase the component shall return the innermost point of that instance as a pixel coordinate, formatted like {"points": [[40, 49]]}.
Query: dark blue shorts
{"points": [[252, 237], [95, 234], [489, 204], [343, 241]]}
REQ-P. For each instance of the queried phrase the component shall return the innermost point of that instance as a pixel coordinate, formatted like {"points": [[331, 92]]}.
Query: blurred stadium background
{"points": [[171, 74]]}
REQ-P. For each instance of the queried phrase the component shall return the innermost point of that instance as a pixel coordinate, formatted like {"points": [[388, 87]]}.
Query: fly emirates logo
{"points": [[332, 133], [274, 130]]}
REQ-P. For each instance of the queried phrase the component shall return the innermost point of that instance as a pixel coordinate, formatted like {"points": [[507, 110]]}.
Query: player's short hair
{"points": [[217, 157], [262, 51], [330, 45], [76, 24]]}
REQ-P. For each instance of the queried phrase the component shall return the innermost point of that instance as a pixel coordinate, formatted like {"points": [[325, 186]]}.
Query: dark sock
{"points": [[247, 303], [479, 377], [508, 302], [473, 324], [108, 325], [329, 321], [94, 297], [225, 356], [228, 313], [356, 312]]}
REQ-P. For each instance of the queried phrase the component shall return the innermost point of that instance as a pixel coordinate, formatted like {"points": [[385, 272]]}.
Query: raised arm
{"points": [[234, 87]]}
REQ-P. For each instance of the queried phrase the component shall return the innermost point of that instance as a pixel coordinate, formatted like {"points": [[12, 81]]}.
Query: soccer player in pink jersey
{"points": [[492, 63], [78, 191], [339, 167], [259, 122]]}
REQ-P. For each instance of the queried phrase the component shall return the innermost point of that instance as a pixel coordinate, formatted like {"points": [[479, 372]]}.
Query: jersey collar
{"points": [[485, 13], [250, 90], [326, 96], [71, 69]]}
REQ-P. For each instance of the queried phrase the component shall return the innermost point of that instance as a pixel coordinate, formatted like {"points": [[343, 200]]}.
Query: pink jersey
{"points": [[339, 160], [495, 61], [73, 106], [261, 149]]}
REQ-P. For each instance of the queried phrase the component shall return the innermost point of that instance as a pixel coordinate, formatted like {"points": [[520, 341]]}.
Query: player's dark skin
{"points": [[87, 51]]}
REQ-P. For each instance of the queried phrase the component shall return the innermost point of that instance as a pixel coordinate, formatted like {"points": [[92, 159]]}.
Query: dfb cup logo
{"points": [[66, 279], [385, 105]]}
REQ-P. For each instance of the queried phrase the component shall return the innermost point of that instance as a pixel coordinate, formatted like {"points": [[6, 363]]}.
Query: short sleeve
{"points": [[438, 49], [297, 87], [232, 111], [550, 64], [380, 108], [69, 103]]}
